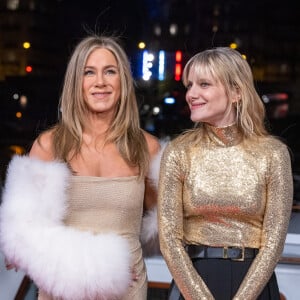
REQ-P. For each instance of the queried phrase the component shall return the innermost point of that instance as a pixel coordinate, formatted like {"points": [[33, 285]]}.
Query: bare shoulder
{"points": [[152, 142], [42, 147]]}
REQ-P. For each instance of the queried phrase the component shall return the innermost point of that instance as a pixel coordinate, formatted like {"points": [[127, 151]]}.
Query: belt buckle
{"points": [[225, 253], [242, 258]]}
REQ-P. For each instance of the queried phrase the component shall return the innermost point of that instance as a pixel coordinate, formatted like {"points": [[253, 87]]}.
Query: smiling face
{"points": [[101, 83], [208, 101]]}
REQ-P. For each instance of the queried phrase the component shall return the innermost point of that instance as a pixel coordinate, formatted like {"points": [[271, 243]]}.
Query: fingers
{"points": [[10, 266], [134, 276]]}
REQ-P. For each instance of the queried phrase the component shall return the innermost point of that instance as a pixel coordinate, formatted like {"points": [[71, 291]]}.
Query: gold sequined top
{"points": [[218, 190]]}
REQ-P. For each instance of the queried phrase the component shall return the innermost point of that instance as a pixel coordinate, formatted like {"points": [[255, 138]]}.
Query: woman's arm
{"points": [[149, 231], [170, 223], [279, 192], [42, 147], [150, 199], [57, 257]]}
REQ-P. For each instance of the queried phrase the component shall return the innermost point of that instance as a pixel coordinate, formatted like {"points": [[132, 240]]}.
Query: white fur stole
{"points": [[64, 262], [149, 231]]}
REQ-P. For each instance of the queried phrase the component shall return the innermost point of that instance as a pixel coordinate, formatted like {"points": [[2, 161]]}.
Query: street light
{"points": [[26, 45]]}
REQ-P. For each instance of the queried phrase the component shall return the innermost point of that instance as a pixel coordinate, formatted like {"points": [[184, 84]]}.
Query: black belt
{"points": [[233, 253]]}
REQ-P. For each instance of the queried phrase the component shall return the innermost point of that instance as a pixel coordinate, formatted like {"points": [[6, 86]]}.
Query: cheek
{"points": [[118, 88], [187, 97], [85, 86]]}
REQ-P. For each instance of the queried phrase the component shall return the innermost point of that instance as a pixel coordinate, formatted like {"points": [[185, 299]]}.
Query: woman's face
{"points": [[101, 82], [208, 101]]}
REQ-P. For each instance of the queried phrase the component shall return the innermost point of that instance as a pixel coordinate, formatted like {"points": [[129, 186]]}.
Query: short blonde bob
{"points": [[232, 70]]}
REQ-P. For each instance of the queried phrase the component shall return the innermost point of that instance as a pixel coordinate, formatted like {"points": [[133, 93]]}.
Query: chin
{"points": [[196, 119]]}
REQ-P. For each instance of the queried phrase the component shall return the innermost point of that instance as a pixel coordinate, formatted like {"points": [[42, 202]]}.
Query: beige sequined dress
{"points": [[218, 190], [105, 205]]}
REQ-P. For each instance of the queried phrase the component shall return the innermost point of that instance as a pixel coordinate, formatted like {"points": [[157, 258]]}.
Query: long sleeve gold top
{"points": [[218, 190]]}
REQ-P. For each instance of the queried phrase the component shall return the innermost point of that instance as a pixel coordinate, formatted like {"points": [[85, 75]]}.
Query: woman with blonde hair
{"points": [[72, 209], [225, 191]]}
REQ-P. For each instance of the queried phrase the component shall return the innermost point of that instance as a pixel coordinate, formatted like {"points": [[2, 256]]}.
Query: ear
{"points": [[236, 96]]}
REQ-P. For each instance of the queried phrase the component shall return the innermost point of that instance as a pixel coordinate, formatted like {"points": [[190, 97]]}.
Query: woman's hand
{"points": [[10, 266], [134, 276]]}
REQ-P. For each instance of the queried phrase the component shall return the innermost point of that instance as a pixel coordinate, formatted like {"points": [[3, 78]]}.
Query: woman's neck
{"points": [[225, 135]]}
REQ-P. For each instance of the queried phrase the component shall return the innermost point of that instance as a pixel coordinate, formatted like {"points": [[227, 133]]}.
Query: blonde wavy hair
{"points": [[125, 128], [233, 71]]}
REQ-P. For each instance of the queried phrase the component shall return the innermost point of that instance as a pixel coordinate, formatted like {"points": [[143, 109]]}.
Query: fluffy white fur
{"points": [[149, 232], [63, 261], [155, 164]]}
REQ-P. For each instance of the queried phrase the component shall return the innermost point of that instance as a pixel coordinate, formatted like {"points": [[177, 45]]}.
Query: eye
{"points": [[204, 84], [110, 71], [88, 72], [188, 86]]}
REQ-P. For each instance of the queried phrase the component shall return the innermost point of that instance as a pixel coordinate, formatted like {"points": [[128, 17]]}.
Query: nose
{"points": [[100, 79], [191, 94]]}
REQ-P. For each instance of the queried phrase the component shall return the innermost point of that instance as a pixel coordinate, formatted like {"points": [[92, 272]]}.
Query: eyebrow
{"points": [[105, 67]]}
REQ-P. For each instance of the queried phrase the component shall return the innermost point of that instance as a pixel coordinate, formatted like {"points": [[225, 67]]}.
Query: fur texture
{"points": [[155, 164], [149, 232], [61, 260]]}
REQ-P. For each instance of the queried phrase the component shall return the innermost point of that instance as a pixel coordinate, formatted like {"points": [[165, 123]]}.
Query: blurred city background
{"points": [[159, 36], [37, 37]]}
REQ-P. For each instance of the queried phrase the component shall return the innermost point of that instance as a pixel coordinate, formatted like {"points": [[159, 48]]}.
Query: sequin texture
{"points": [[218, 190]]}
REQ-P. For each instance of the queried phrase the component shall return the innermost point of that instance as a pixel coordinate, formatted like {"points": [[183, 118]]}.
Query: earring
{"points": [[237, 106]]}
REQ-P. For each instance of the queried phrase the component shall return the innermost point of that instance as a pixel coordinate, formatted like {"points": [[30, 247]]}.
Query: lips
{"points": [[100, 95], [196, 105]]}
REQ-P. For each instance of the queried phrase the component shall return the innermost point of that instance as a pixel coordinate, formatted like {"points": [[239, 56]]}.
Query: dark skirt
{"points": [[223, 278]]}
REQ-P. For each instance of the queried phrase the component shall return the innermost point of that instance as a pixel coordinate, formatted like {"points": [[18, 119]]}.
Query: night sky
{"points": [[271, 21], [122, 18]]}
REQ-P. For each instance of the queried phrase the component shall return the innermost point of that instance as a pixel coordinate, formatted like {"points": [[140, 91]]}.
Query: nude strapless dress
{"points": [[110, 205]]}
